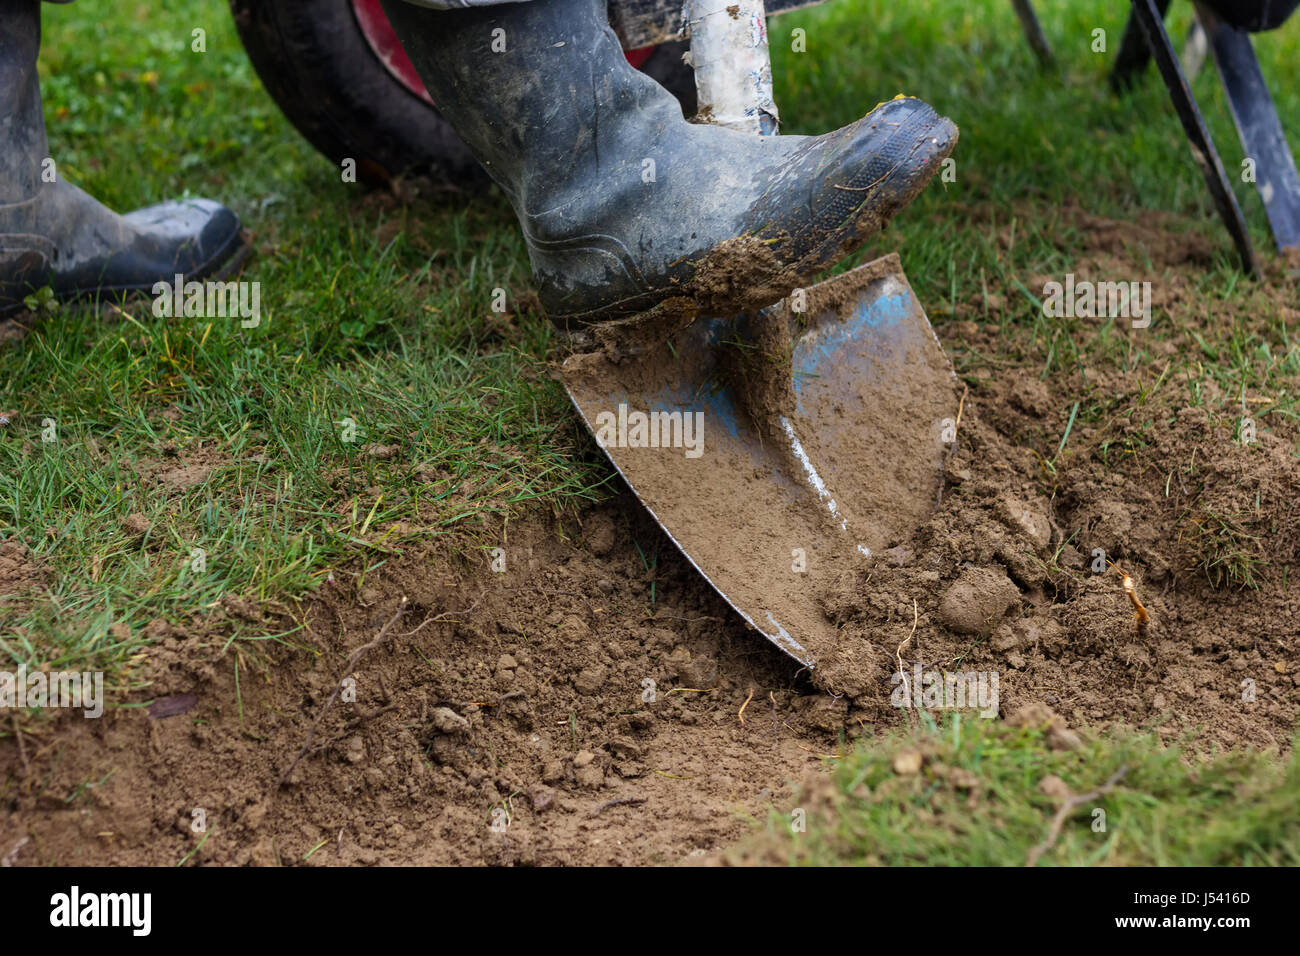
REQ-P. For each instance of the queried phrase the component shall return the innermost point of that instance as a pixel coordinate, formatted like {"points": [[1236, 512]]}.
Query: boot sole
{"points": [[228, 260]]}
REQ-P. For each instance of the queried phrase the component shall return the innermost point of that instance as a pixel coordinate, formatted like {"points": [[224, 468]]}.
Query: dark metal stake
{"points": [[1034, 32], [1134, 54], [1203, 151], [1257, 125]]}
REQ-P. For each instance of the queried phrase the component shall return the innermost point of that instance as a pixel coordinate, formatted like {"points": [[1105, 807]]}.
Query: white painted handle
{"points": [[733, 69]]}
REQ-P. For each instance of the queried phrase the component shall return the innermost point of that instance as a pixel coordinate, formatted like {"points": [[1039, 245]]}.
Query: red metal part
{"points": [[637, 57], [383, 41]]}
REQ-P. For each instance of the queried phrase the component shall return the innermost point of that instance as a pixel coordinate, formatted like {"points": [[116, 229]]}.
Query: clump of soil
{"points": [[179, 470], [19, 574], [739, 275], [975, 603]]}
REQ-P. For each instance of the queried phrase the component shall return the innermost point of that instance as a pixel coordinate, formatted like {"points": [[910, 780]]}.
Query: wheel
{"points": [[337, 71]]}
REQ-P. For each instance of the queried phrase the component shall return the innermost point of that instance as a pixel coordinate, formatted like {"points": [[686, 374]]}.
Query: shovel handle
{"points": [[733, 67]]}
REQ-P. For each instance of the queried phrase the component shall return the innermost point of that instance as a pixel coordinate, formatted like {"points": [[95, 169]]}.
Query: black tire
{"points": [[665, 65], [1254, 15], [317, 65], [315, 62]]}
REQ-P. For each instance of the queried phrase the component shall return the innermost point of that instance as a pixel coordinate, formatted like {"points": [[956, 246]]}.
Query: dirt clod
{"points": [[447, 721], [907, 762], [136, 526], [977, 600]]}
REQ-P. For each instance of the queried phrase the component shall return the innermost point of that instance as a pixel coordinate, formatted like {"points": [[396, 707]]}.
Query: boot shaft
{"points": [[539, 91], [22, 126]]}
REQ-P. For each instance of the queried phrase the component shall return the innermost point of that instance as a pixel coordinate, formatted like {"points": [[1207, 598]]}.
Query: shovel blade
{"points": [[774, 522]]}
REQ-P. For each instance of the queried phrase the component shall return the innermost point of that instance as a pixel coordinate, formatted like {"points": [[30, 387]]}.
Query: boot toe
{"points": [[198, 236], [866, 173], [884, 160]]}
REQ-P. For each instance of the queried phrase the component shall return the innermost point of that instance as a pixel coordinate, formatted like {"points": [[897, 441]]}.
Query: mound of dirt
{"points": [[1012, 597]]}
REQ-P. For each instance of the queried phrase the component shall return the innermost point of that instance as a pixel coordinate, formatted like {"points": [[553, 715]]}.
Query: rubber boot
{"points": [[52, 233], [623, 203]]}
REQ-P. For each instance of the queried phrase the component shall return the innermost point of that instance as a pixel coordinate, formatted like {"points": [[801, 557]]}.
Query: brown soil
{"points": [[178, 470], [19, 575], [500, 718], [1002, 581], [737, 275], [521, 700]]}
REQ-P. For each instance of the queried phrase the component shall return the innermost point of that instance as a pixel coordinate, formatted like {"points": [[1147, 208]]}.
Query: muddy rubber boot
{"points": [[52, 233], [623, 203]]}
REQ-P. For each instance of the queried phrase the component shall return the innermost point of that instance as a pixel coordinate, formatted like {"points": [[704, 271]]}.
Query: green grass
{"points": [[978, 800], [375, 312]]}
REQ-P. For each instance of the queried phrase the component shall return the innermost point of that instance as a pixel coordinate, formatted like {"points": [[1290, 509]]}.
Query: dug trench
{"points": [[576, 708], [596, 703]]}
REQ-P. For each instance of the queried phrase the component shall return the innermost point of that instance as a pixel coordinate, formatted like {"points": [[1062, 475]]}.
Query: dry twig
{"points": [[898, 653], [741, 714], [1069, 807], [353, 659]]}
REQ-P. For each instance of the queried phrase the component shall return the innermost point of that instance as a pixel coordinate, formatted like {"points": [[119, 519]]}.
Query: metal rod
{"points": [[1261, 133], [1198, 136], [1134, 53], [733, 67], [1034, 32]]}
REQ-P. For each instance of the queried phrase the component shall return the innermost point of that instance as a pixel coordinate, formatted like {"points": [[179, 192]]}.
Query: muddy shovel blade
{"points": [[774, 522]]}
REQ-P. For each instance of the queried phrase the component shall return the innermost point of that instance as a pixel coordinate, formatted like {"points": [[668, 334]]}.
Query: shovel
{"points": [[776, 491]]}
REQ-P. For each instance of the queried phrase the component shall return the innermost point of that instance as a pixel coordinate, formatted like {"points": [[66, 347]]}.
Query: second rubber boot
{"points": [[52, 233], [623, 203]]}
